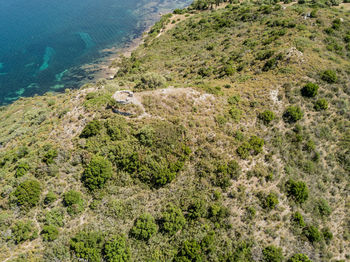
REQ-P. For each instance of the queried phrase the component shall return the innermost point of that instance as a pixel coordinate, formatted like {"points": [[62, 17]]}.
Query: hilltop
{"points": [[235, 146]]}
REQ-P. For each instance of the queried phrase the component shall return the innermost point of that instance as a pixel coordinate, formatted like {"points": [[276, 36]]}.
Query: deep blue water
{"points": [[42, 40]]}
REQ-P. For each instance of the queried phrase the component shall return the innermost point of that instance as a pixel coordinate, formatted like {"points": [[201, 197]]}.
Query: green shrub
{"points": [[172, 220], [190, 251], [256, 144], [235, 113], [217, 212], [88, 246], [55, 217], [28, 193], [323, 208], [145, 136], [50, 198], [116, 249], [298, 220], [233, 100], [91, 129], [312, 233], [310, 90], [144, 227], [97, 173], [196, 209], [297, 190], [321, 104], [267, 117], [329, 76], [299, 258], [244, 150], [74, 202], [293, 114], [270, 201], [49, 156], [23, 231], [49, 233], [151, 81], [327, 235], [22, 169], [272, 254]]}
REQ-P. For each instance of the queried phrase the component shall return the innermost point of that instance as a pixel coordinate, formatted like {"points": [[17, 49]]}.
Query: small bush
{"points": [[272, 254], [235, 113], [144, 227], [145, 136], [310, 90], [116, 249], [256, 144], [321, 104], [49, 233], [293, 114], [323, 208], [151, 81], [297, 190], [270, 201], [97, 173], [190, 251], [244, 150], [327, 234], [50, 198], [312, 233], [267, 117], [49, 156], [217, 212], [329, 76], [22, 169], [298, 220], [55, 217], [172, 220], [74, 202], [28, 193], [91, 129], [23, 231], [196, 209], [88, 246], [299, 258]]}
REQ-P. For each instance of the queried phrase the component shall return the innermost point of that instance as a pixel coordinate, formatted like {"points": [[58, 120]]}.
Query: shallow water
{"points": [[42, 40]]}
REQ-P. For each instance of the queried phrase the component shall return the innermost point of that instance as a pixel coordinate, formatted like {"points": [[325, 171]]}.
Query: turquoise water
{"points": [[43, 42]]}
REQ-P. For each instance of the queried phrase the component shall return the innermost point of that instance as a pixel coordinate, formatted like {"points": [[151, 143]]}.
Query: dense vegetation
{"points": [[242, 156]]}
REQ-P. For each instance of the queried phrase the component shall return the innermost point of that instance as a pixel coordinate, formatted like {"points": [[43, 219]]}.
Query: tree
{"points": [[144, 227], [116, 249], [28, 193], [293, 114], [91, 129], [74, 202], [297, 190], [172, 219], [97, 173], [310, 90], [272, 254]]}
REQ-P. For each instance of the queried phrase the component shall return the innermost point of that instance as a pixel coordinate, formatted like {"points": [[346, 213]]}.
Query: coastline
{"points": [[101, 68]]}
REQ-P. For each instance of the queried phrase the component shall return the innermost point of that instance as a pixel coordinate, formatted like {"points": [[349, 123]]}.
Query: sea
{"points": [[45, 45]]}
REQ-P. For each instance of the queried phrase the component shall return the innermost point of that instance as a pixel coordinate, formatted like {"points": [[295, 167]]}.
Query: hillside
{"points": [[236, 146]]}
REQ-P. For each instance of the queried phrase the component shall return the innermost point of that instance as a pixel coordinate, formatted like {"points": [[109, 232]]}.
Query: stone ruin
{"points": [[123, 97]]}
